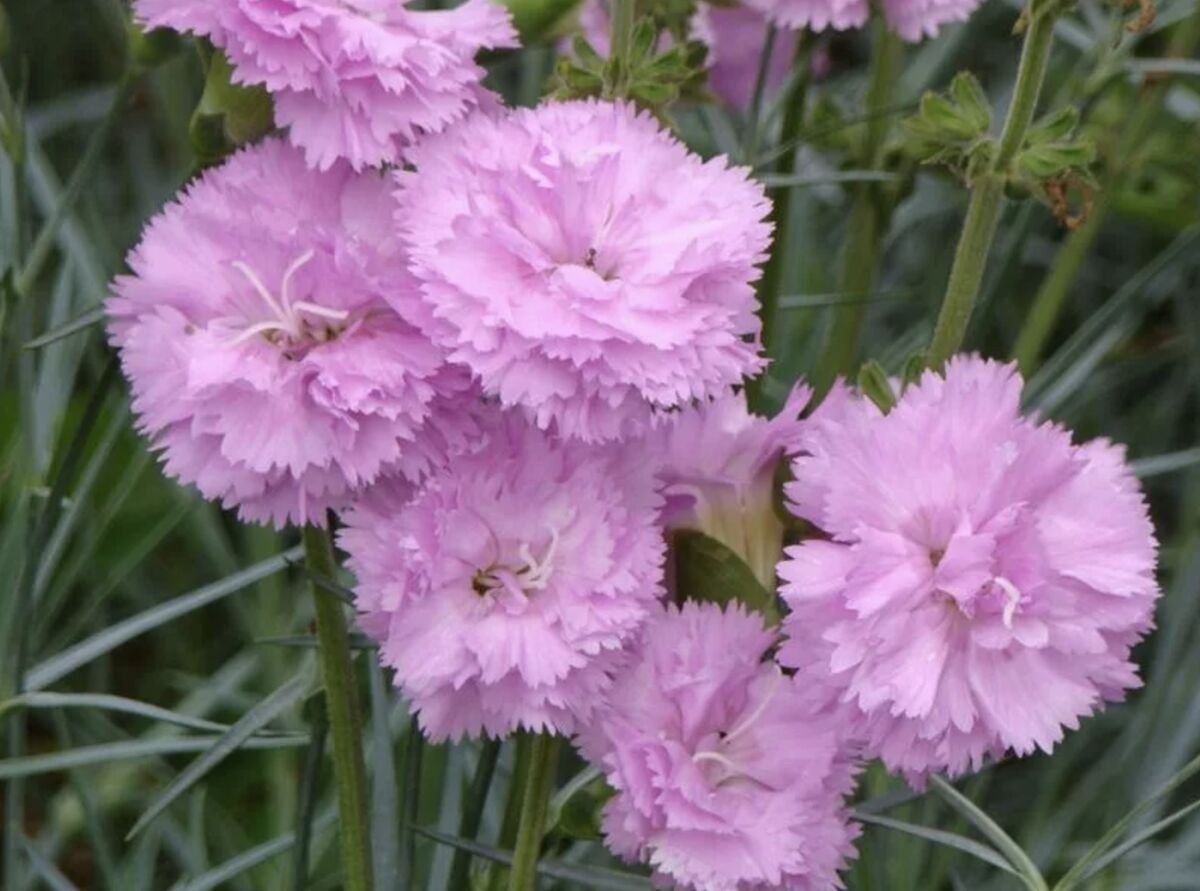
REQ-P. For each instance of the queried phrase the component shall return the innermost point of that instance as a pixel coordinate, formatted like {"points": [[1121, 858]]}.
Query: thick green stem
{"points": [[860, 259], [987, 191], [535, 803], [345, 718], [472, 814], [970, 259]]}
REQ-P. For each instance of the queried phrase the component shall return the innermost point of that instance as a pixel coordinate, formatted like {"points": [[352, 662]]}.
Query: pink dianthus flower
{"points": [[718, 466], [912, 20], [983, 581], [584, 265], [503, 591], [263, 359], [353, 79], [729, 775]]}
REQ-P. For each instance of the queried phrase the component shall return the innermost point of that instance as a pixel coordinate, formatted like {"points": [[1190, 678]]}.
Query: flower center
{"points": [[530, 574], [726, 768], [291, 324]]}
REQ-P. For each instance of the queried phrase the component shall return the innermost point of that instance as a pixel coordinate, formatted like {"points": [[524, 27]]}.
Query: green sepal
{"points": [[708, 571]]}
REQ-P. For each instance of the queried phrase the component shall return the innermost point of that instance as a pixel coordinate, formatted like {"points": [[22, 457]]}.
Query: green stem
{"points": [[987, 191], [512, 808], [472, 814], [770, 285], [860, 259], [1052, 295], [535, 803], [621, 42], [970, 258], [345, 718]]}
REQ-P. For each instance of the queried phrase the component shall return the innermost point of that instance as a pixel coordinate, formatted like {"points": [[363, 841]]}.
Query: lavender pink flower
{"points": [[584, 265], [353, 79], [718, 466], [912, 20], [264, 362], [729, 774], [983, 580], [503, 591]]}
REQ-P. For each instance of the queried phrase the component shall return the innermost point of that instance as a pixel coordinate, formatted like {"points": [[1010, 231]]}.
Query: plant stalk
{"points": [[621, 39], [535, 803], [860, 259], [987, 191], [345, 717], [1052, 295]]}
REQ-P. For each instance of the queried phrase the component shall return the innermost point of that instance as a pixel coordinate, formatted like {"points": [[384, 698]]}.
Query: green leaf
{"points": [[122, 705], [81, 322], [1000, 839], [104, 753], [971, 101], [1054, 127], [47, 672], [46, 871], [385, 805], [873, 383], [283, 698], [797, 180], [1168, 463], [940, 837], [1075, 875], [229, 114], [707, 570], [1051, 159], [592, 877], [1134, 841], [221, 876], [318, 723]]}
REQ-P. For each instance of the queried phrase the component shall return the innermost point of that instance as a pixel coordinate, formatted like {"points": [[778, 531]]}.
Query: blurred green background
{"points": [[116, 582]]}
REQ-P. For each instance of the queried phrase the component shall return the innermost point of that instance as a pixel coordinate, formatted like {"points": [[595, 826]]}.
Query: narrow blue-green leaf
{"points": [[283, 698], [104, 753], [837, 177], [1135, 840], [47, 871], [50, 670], [1168, 463], [1165, 66], [1109, 839], [991, 830], [221, 875], [592, 877], [940, 837], [112, 703], [318, 720], [385, 806], [81, 322]]}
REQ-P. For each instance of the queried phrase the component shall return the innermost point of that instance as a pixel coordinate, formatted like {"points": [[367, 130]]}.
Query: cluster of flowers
{"points": [[509, 363]]}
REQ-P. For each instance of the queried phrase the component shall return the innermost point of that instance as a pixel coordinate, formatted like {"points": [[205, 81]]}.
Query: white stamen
{"points": [[748, 722], [1013, 595], [338, 315], [260, 328], [256, 282], [538, 572], [716, 758], [285, 288]]}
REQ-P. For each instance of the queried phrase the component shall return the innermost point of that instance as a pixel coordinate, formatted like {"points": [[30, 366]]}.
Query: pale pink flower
{"points": [[264, 362], [729, 775], [718, 465], [584, 265], [983, 581], [503, 591], [912, 20], [353, 79]]}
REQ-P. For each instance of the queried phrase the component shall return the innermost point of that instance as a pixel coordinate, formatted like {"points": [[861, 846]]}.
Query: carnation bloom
{"points": [[718, 467], [735, 37], [584, 265], [983, 581], [263, 359], [911, 19], [502, 592], [729, 777], [354, 79]]}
